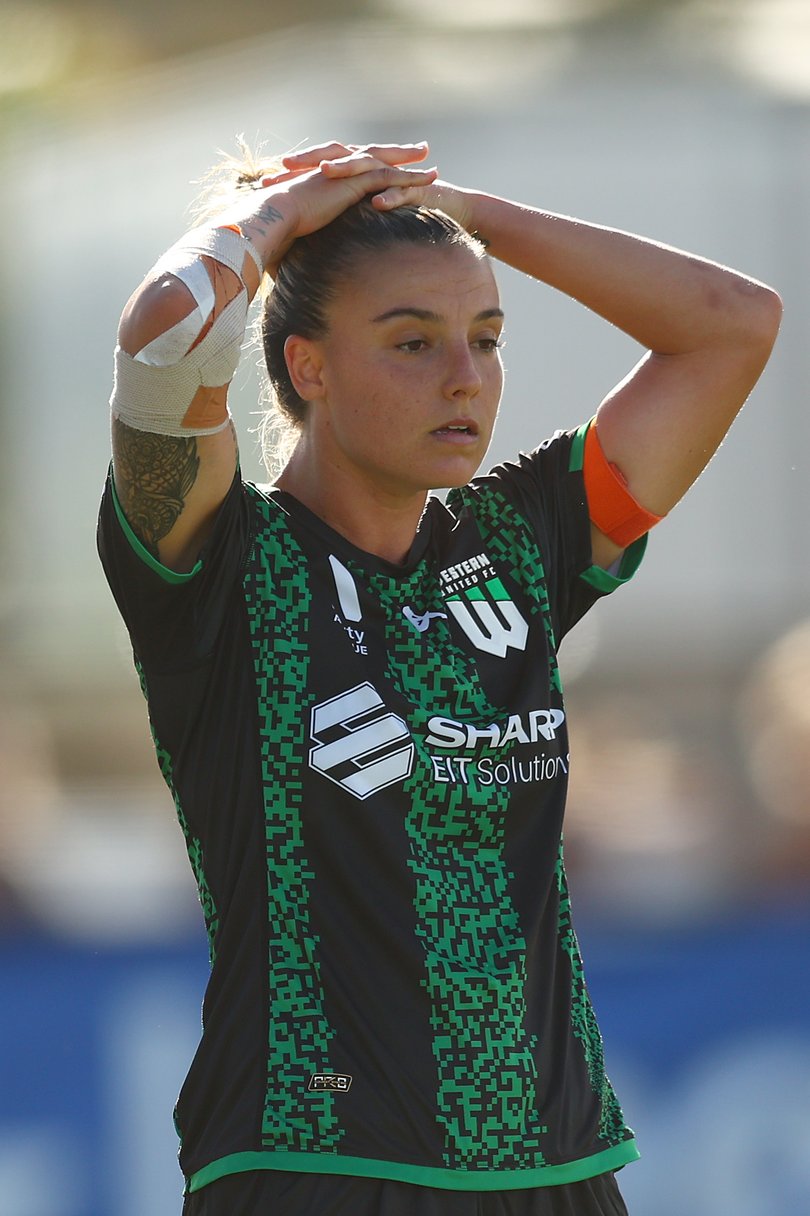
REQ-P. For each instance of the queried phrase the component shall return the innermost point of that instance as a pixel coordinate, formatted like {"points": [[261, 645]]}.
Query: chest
{"points": [[445, 676]]}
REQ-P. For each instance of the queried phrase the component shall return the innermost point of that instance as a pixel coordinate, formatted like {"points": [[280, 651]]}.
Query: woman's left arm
{"points": [[708, 332]]}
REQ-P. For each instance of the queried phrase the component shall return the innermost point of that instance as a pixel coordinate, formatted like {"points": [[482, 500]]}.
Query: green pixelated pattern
{"points": [[474, 949], [509, 540], [193, 845], [278, 600], [583, 1019]]}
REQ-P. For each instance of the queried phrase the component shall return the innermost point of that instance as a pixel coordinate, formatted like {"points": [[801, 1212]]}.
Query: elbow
{"points": [[748, 320], [762, 319], [771, 309], [154, 308]]}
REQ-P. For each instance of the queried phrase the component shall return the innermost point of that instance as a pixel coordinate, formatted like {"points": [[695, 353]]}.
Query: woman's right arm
{"points": [[174, 446]]}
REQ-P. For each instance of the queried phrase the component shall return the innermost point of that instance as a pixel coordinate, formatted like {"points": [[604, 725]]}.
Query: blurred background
{"points": [[689, 827]]}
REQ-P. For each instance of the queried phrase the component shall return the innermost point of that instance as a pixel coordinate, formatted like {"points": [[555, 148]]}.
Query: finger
{"points": [[385, 181], [403, 194], [397, 154], [272, 179], [312, 156], [358, 164], [351, 166], [388, 154]]}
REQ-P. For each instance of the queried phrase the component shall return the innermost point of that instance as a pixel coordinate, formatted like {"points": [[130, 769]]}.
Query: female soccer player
{"points": [[353, 687]]}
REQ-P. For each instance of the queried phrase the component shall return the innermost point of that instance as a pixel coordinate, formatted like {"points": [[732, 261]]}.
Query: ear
{"points": [[304, 363]]}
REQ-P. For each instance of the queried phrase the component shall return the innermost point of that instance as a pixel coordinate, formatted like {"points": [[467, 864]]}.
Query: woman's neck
{"points": [[364, 511]]}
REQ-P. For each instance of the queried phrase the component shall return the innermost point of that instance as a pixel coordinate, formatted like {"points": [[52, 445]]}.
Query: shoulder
{"points": [[532, 482]]}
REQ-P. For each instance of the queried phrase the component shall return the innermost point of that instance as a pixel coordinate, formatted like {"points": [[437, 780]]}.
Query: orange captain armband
{"points": [[611, 506]]}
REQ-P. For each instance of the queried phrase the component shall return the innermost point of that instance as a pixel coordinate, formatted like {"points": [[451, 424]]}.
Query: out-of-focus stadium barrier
{"points": [[708, 1043]]}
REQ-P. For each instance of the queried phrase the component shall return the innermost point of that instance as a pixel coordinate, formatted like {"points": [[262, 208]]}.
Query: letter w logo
{"points": [[499, 624]]}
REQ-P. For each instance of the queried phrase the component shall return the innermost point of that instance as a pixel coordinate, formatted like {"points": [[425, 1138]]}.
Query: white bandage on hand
{"points": [[154, 390]]}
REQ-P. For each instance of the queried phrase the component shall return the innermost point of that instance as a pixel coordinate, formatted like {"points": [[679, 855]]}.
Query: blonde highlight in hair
{"points": [[226, 182]]}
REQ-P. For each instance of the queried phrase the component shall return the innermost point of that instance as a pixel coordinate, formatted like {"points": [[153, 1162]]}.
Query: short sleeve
{"points": [[545, 490], [174, 619]]}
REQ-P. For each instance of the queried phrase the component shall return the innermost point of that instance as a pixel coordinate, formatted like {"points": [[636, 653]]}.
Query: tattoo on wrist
{"points": [[153, 476], [267, 214]]}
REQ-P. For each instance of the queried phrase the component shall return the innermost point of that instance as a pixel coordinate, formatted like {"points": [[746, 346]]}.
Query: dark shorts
{"points": [[274, 1193]]}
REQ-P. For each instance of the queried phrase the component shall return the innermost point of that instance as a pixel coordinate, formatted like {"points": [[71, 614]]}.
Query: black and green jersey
{"points": [[369, 764]]}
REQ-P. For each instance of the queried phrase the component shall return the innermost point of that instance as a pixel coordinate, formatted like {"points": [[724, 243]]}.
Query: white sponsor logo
{"points": [[537, 724], [466, 770], [350, 609], [359, 744], [346, 590], [452, 767], [422, 622]]}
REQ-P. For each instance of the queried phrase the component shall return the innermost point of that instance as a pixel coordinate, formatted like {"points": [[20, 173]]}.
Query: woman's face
{"points": [[410, 371]]}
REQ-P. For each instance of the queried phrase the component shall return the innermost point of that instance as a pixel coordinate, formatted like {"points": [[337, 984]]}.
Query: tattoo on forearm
{"points": [[154, 474]]}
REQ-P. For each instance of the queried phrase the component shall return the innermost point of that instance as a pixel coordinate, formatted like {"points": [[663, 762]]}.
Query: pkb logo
{"points": [[330, 1082], [358, 744]]}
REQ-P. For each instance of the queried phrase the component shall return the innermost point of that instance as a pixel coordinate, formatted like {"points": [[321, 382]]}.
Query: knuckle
{"points": [[331, 149]]}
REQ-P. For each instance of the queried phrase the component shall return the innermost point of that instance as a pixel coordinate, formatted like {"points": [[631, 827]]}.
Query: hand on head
{"points": [[317, 184], [347, 160], [339, 175]]}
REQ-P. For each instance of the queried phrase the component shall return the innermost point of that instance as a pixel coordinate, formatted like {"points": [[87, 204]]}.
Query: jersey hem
{"points": [[397, 1171]]}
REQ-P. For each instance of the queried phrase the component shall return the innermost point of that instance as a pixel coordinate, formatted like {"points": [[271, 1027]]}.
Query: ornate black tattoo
{"points": [[153, 476]]}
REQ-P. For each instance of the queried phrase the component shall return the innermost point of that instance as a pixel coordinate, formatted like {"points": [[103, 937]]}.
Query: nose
{"points": [[462, 377]]}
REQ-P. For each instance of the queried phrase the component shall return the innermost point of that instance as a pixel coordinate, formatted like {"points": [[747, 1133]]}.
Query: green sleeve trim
{"points": [[168, 576], [602, 580], [445, 1179], [576, 457]]}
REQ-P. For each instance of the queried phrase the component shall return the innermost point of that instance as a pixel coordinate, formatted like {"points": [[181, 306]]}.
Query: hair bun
{"points": [[249, 177]]}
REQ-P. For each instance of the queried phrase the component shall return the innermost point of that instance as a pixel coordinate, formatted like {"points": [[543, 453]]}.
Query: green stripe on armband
{"points": [[576, 457]]}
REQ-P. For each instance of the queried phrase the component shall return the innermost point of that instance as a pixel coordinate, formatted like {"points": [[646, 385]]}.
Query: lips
{"points": [[462, 427]]}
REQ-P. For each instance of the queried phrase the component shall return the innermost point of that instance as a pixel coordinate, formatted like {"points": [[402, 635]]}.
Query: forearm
{"points": [[708, 332], [671, 302], [268, 218]]}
